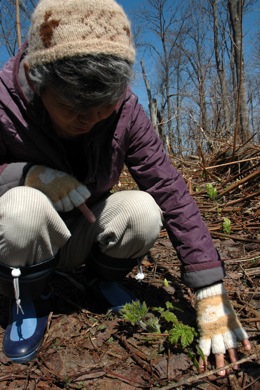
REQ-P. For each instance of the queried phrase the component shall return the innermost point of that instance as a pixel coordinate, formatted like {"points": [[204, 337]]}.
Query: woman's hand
{"points": [[220, 329], [63, 190]]}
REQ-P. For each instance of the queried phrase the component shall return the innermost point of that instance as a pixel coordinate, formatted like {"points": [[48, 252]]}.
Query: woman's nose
{"points": [[89, 117]]}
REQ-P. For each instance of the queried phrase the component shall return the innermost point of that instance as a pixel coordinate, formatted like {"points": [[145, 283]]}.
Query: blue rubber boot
{"points": [[115, 294], [24, 333], [107, 273], [30, 305]]}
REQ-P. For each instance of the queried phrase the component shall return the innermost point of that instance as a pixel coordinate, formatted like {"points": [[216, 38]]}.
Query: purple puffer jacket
{"points": [[97, 159]]}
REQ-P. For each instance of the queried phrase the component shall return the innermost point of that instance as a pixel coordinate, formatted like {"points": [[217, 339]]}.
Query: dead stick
{"points": [[232, 162], [238, 183], [240, 260], [233, 237], [257, 319], [208, 373], [130, 381], [134, 356], [233, 178], [256, 380], [203, 162], [242, 199], [246, 274]]}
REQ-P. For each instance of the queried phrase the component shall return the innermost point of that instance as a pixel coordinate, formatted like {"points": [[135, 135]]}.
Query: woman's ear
{"points": [[26, 71]]}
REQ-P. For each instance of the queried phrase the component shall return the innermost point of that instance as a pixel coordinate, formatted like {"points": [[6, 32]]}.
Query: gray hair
{"points": [[87, 81]]}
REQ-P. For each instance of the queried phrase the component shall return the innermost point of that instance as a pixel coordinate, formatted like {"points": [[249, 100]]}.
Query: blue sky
{"points": [[251, 24], [138, 86]]}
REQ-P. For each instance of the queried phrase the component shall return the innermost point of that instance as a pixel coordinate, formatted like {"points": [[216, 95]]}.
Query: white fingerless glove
{"points": [[63, 190], [218, 324]]}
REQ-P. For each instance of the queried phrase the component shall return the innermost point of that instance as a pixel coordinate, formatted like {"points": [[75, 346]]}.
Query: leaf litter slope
{"points": [[85, 347]]}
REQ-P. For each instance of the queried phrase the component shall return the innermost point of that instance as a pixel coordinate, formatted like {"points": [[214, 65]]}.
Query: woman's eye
{"points": [[66, 108]]}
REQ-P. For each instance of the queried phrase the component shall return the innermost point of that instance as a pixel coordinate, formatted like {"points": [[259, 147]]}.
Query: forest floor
{"points": [[86, 349]]}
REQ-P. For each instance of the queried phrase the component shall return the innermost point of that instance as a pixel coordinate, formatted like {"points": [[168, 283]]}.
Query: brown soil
{"points": [[86, 349]]}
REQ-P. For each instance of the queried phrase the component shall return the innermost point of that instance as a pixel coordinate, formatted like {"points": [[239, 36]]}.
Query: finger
{"points": [[219, 357], [203, 364], [87, 213], [233, 357], [246, 344], [233, 352]]}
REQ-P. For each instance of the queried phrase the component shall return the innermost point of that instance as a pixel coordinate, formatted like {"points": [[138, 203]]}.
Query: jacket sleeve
{"points": [[10, 176], [154, 173], [11, 172]]}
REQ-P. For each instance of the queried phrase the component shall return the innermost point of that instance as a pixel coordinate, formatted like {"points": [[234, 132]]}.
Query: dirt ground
{"points": [[85, 348]]}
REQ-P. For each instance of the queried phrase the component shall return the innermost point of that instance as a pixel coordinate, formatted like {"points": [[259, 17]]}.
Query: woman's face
{"points": [[70, 123]]}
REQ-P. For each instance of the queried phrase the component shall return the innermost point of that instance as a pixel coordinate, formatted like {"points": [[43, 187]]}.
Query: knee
{"points": [[24, 213], [23, 209], [145, 216], [137, 221]]}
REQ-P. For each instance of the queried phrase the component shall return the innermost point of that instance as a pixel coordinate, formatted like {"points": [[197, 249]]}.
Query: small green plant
{"points": [[211, 191], [166, 283], [181, 333], [227, 226], [134, 312], [159, 320], [177, 331]]}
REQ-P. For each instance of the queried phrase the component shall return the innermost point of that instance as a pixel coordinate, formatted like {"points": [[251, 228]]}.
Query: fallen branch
{"points": [[257, 319], [242, 199], [233, 237], [239, 182], [232, 162], [134, 352], [209, 373], [246, 259]]}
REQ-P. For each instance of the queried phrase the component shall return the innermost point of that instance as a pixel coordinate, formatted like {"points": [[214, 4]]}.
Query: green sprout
{"points": [[211, 191], [227, 226], [166, 283]]}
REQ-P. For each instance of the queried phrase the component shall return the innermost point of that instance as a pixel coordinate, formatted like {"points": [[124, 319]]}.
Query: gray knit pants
{"points": [[31, 231]]}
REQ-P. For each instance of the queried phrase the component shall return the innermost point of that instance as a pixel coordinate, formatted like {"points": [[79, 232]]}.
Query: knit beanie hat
{"points": [[67, 28]]}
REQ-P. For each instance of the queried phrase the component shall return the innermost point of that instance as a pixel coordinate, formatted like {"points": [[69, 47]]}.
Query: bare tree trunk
{"points": [[167, 87], [220, 64], [166, 24], [203, 106], [160, 125], [152, 103], [236, 14], [161, 118], [18, 24], [178, 109]]}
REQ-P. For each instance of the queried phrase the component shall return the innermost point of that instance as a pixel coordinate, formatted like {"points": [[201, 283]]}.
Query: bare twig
{"points": [[232, 162], [196, 378], [233, 237], [239, 182]]}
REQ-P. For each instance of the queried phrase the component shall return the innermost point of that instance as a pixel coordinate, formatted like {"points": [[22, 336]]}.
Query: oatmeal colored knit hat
{"points": [[67, 28]]}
